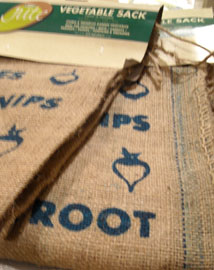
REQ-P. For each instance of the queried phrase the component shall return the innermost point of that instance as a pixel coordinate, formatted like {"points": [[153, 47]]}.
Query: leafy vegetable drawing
{"points": [[12, 136], [130, 159]]}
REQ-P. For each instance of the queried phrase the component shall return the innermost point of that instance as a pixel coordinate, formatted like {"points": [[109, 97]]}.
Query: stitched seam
{"points": [[184, 242], [205, 118]]}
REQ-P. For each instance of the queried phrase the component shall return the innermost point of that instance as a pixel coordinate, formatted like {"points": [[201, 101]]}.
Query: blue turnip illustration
{"points": [[135, 96], [65, 78], [130, 159]]}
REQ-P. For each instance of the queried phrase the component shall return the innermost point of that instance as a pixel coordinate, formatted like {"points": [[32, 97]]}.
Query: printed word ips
{"points": [[139, 122], [25, 101]]}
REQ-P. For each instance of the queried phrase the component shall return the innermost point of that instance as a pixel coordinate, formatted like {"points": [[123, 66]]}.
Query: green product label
{"points": [[187, 22], [128, 24]]}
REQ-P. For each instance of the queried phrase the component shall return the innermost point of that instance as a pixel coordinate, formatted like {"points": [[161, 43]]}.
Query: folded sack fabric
{"points": [[138, 195], [42, 107]]}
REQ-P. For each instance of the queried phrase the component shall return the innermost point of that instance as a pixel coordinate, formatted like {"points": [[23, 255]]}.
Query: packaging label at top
{"points": [[79, 20], [98, 33], [187, 21], [195, 25]]}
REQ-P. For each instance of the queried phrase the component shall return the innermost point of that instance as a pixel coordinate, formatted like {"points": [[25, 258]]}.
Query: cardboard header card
{"points": [[84, 33], [196, 25]]}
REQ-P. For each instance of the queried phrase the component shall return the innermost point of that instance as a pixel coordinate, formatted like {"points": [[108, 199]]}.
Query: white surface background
{"points": [[9, 265]]}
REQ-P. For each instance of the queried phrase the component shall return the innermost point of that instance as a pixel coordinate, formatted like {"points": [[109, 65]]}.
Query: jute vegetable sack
{"points": [[48, 110], [42, 108], [139, 194]]}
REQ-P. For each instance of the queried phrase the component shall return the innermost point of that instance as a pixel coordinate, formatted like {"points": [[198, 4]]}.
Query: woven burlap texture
{"points": [[139, 194], [42, 107]]}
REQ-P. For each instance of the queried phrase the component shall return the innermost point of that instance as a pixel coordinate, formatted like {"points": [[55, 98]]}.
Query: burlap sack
{"points": [[42, 107], [139, 195], [60, 112]]}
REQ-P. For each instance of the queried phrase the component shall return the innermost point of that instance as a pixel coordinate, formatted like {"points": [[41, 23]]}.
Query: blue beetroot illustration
{"points": [[132, 160], [12, 137]]}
